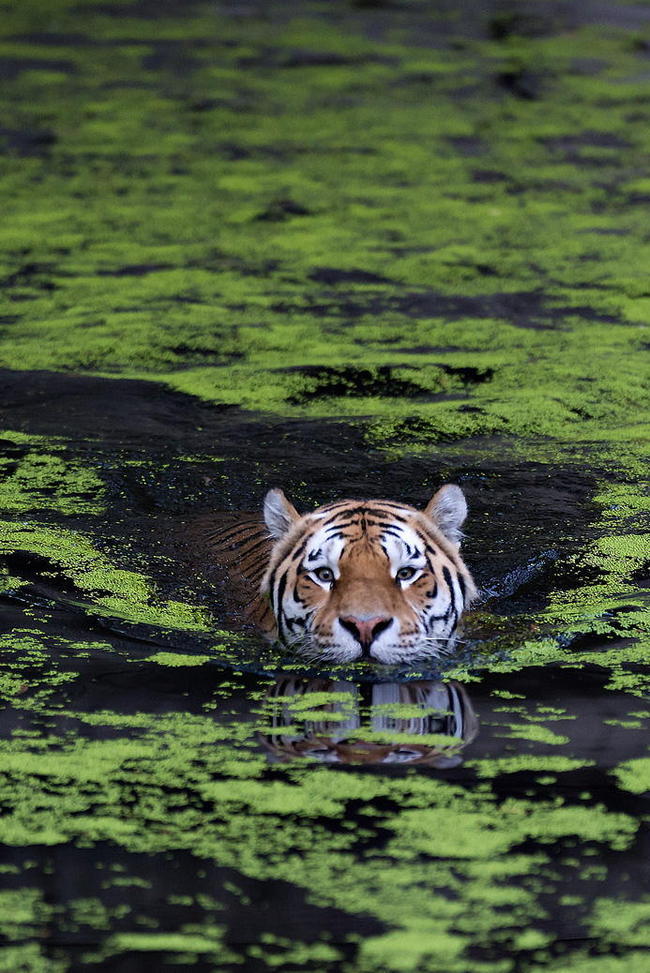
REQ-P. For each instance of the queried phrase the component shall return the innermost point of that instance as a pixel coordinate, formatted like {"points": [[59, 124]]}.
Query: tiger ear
{"points": [[279, 514], [447, 509]]}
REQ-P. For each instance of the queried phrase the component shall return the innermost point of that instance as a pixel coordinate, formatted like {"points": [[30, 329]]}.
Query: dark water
{"points": [[348, 249], [549, 741]]}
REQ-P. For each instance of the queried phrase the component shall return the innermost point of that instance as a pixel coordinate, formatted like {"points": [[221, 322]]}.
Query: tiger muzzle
{"points": [[365, 630]]}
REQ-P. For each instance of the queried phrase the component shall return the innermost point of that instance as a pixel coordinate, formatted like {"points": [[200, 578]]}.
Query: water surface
{"points": [[349, 249]]}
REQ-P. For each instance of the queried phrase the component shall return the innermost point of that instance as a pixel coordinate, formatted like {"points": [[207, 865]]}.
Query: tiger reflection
{"points": [[347, 723]]}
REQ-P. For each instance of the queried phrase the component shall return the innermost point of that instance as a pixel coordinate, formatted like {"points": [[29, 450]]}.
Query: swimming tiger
{"points": [[354, 579]]}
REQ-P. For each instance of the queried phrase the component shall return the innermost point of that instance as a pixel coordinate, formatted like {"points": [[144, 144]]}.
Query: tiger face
{"points": [[367, 579]]}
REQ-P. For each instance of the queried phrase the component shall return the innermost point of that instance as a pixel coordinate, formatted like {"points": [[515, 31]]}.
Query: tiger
{"points": [[356, 724], [370, 580]]}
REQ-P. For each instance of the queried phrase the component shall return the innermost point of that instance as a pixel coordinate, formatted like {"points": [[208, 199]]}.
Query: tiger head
{"points": [[367, 579]]}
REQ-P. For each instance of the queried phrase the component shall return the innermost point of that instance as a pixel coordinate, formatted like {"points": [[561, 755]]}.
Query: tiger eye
{"points": [[324, 574], [405, 574]]}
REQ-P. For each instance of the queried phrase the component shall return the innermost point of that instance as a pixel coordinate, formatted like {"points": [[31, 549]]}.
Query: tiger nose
{"points": [[366, 630]]}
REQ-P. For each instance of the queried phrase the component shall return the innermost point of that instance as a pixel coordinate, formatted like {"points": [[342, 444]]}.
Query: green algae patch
{"points": [[602, 602], [176, 660], [115, 591], [624, 922], [405, 711], [440, 834], [634, 775], [278, 952], [33, 478], [24, 908], [406, 950], [537, 734], [475, 835], [29, 675], [29, 958], [583, 963], [178, 942], [527, 763]]}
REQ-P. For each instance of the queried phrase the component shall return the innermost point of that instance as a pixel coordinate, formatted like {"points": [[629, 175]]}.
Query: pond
{"points": [[349, 249]]}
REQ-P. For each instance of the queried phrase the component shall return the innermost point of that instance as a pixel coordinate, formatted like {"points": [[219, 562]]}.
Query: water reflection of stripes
{"points": [[341, 722]]}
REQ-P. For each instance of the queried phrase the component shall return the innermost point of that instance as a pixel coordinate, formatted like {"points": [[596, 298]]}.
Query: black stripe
{"points": [[434, 618], [272, 580], [340, 525], [248, 550], [393, 532], [330, 520], [223, 534], [299, 551], [372, 506], [245, 567], [387, 524], [382, 504], [336, 504], [352, 512], [282, 583], [420, 536], [446, 573], [461, 585]]}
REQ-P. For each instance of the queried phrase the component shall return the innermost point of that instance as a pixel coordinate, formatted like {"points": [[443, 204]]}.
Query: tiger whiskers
{"points": [[312, 652], [425, 647]]}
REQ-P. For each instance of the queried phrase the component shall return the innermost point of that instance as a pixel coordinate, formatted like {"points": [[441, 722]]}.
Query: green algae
{"points": [[542, 226], [633, 960], [634, 775], [23, 907], [28, 676], [37, 480], [294, 953], [124, 593], [625, 922], [28, 958], [175, 659], [464, 841], [612, 605], [426, 816], [527, 762], [292, 269], [539, 734], [178, 942]]}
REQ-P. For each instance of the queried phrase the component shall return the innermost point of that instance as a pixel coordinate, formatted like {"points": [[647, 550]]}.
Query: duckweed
{"points": [[428, 234]]}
